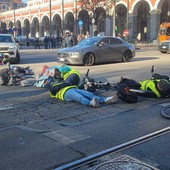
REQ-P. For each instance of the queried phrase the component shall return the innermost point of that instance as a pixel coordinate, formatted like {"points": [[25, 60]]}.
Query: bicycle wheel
{"points": [[165, 112]]}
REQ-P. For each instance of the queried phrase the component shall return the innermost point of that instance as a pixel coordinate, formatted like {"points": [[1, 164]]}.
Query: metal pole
{"points": [[63, 16], [76, 17], [114, 18], [127, 24], [50, 16], [13, 4]]}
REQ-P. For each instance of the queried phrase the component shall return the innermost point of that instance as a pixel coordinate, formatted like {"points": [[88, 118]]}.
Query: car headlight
{"points": [[75, 54], [12, 48]]}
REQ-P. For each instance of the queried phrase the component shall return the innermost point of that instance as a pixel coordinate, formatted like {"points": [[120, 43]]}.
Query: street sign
{"points": [[126, 32]]}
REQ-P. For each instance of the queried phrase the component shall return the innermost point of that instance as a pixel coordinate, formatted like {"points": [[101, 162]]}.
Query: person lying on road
{"points": [[55, 74], [64, 91], [67, 74]]}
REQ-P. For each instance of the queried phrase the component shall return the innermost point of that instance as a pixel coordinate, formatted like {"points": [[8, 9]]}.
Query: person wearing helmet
{"points": [[68, 40], [159, 87], [67, 75]]}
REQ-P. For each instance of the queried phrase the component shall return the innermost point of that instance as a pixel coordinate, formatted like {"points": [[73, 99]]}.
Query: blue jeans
{"points": [[82, 96]]}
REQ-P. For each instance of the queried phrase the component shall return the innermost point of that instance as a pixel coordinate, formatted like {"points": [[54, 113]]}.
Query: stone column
{"points": [[132, 27], [148, 29], [41, 30], [53, 31], [32, 31], [108, 30], [23, 30], [155, 23]]}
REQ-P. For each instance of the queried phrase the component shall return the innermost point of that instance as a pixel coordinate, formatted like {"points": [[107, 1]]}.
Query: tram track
{"points": [[92, 158]]}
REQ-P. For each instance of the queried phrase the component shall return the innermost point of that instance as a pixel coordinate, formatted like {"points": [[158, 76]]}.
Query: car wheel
{"points": [[89, 59], [126, 56]]}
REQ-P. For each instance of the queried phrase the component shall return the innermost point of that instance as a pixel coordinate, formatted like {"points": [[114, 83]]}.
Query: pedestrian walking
{"points": [[46, 39], [37, 43], [58, 41]]}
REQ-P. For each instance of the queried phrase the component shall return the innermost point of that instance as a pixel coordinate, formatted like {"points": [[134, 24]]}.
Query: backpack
{"points": [[159, 76], [4, 74], [4, 77], [130, 83], [123, 90]]}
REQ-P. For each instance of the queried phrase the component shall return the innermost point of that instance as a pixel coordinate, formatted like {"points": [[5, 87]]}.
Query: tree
{"points": [[97, 8]]}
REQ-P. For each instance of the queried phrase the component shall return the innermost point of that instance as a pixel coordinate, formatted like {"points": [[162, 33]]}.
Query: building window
{"points": [[3, 7]]}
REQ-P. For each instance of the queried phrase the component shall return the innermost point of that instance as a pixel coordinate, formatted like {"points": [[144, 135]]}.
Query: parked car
{"points": [[97, 49], [164, 46], [9, 48]]}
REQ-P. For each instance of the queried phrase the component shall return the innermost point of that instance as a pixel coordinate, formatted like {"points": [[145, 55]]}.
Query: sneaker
{"points": [[111, 99], [94, 102]]}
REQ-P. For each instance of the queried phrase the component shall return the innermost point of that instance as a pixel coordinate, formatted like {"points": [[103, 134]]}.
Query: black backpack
{"points": [[123, 90]]}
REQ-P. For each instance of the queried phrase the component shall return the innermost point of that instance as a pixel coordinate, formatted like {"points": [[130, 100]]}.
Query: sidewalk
{"points": [[30, 47]]}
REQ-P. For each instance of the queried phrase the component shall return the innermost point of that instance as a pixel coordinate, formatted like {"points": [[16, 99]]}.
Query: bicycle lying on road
{"points": [[125, 87], [91, 85]]}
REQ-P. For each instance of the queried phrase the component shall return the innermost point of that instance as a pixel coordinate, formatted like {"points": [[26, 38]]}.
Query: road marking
{"points": [[165, 104], [6, 108], [66, 136]]}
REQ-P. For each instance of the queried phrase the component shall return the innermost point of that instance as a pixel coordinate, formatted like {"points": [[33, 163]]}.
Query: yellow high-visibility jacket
{"points": [[60, 93], [150, 85], [67, 74]]}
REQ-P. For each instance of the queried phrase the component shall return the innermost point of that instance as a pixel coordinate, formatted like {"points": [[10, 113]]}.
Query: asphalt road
{"points": [[38, 132]]}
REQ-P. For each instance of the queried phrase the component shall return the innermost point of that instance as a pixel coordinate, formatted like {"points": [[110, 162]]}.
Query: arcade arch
{"points": [[26, 29], [45, 26], [69, 22], [56, 25], [35, 27], [83, 16], [18, 28], [165, 12], [121, 18], [144, 18]]}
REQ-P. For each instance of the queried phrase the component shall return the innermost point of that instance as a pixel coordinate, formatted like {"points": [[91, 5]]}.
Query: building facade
{"points": [[140, 18]]}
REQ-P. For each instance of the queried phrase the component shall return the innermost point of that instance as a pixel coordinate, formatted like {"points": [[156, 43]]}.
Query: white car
{"points": [[9, 48]]}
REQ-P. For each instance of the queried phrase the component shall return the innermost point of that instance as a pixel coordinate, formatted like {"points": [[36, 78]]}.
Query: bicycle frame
{"points": [[90, 82]]}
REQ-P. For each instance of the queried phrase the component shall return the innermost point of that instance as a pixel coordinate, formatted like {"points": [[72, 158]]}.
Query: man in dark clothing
{"points": [[53, 42], [37, 43], [46, 40], [58, 42]]}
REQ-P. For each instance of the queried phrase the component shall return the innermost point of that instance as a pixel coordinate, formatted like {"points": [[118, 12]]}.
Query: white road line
{"points": [[5, 108], [164, 104]]}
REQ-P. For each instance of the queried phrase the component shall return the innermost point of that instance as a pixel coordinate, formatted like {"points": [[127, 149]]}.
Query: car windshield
{"points": [[88, 41], [6, 39]]}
